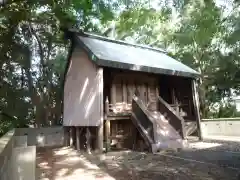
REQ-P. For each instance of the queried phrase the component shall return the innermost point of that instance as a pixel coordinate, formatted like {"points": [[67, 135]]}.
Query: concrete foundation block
{"points": [[20, 141], [23, 163]]}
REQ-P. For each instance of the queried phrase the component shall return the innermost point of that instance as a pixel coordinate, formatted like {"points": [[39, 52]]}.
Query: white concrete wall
{"points": [[23, 163], [82, 92], [40, 137], [6, 146], [221, 127], [18, 150]]}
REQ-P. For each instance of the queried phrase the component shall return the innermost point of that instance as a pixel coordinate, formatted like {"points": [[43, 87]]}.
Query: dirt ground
{"points": [[198, 163]]}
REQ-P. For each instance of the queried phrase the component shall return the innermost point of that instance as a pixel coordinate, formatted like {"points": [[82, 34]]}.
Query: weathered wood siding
{"points": [[125, 84], [82, 92]]}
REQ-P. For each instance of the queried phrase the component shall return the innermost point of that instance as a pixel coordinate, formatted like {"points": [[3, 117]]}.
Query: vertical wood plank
{"points": [[157, 90], [141, 89], [130, 90], [149, 93], [197, 108], [113, 93], [124, 91]]}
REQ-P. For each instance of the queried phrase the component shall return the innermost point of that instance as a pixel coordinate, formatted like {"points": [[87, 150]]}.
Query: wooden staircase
{"points": [[157, 131]]}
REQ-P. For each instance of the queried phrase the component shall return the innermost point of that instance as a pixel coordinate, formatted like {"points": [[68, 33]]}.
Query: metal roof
{"points": [[120, 54]]}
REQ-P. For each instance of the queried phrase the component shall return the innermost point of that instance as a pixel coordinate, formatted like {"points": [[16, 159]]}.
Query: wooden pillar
{"points": [[107, 133], [88, 140], [78, 138], [196, 108], [66, 136], [100, 138], [100, 127], [72, 134]]}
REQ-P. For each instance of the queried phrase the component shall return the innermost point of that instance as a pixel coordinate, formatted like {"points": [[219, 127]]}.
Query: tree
{"points": [[33, 55], [198, 34]]}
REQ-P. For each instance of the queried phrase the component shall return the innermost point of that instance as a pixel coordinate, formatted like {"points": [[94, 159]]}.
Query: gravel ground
{"points": [[161, 166], [206, 160], [222, 153]]}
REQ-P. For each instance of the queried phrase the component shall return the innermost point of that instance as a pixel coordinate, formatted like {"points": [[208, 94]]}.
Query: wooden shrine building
{"points": [[121, 95]]}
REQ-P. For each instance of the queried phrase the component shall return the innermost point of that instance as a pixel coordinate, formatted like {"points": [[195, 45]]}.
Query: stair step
{"points": [[170, 144]]}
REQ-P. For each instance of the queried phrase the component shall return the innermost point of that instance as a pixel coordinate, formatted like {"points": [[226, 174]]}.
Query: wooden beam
{"points": [[116, 118], [197, 108]]}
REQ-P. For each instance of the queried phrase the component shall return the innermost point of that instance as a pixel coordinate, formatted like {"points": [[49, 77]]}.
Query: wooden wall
{"points": [[125, 84], [124, 135], [178, 90], [175, 90], [82, 92]]}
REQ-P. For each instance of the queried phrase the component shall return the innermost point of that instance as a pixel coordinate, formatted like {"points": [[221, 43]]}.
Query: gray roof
{"points": [[120, 54]]}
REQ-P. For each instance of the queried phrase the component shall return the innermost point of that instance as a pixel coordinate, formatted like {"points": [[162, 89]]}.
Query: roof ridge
{"points": [[108, 39]]}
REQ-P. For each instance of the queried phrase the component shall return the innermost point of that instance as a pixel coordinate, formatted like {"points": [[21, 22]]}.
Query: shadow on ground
{"points": [[66, 163]]}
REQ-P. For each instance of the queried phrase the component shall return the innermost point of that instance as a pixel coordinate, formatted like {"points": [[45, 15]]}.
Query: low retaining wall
{"points": [[23, 163], [221, 127], [18, 150], [6, 146], [39, 137]]}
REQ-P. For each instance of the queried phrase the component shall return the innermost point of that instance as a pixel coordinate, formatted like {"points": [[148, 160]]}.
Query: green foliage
{"points": [[226, 110], [198, 33], [33, 56], [33, 53]]}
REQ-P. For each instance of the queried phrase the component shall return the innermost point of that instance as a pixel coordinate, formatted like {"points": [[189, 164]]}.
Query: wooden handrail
{"points": [[161, 100], [175, 119], [143, 120]]}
